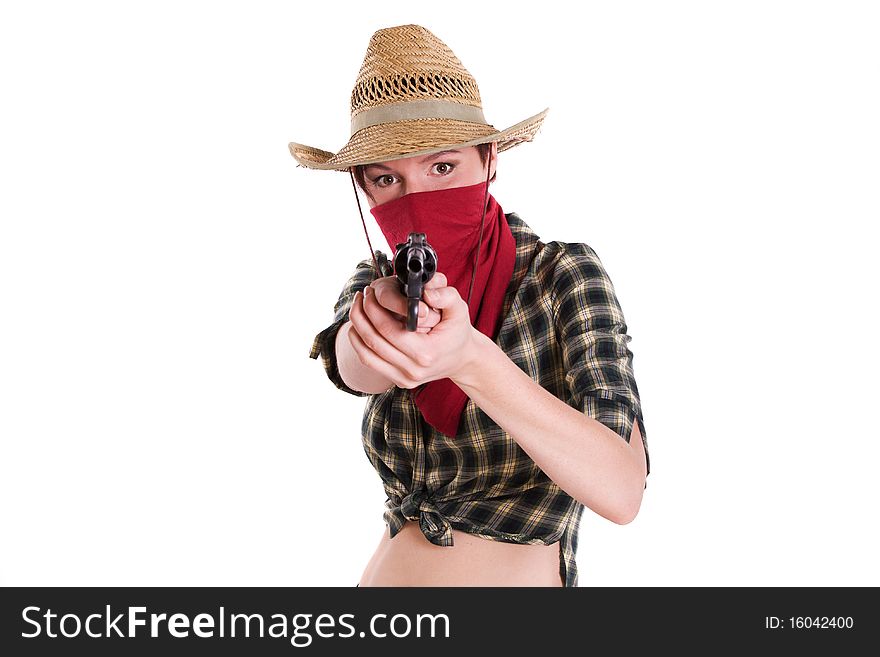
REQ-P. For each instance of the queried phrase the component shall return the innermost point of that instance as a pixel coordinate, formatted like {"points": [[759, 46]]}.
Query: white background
{"points": [[164, 266]]}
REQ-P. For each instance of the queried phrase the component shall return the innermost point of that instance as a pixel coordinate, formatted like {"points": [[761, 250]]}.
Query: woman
{"points": [[513, 406]]}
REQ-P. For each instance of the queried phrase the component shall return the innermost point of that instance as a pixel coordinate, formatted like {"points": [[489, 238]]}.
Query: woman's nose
{"points": [[416, 185]]}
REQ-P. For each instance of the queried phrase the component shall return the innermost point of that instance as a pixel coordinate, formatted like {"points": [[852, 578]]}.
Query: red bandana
{"points": [[450, 219]]}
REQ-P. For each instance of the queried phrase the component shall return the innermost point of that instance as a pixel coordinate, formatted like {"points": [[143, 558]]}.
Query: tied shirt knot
{"points": [[419, 505]]}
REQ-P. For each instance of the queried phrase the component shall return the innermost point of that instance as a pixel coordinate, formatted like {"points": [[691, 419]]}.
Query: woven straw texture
{"points": [[403, 64], [410, 63]]}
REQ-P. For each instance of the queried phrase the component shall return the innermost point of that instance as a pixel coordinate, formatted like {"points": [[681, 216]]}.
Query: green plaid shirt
{"points": [[564, 327]]}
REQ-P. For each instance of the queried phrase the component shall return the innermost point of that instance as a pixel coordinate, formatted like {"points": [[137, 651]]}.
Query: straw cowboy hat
{"points": [[412, 97]]}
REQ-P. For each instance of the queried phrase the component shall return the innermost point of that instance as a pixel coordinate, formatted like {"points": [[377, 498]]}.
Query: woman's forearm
{"points": [[585, 458], [356, 375]]}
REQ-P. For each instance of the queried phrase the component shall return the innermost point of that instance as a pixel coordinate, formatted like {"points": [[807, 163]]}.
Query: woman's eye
{"points": [[382, 181], [444, 167]]}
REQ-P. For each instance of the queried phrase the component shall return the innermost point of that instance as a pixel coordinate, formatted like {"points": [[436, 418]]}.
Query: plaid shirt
{"points": [[564, 327]]}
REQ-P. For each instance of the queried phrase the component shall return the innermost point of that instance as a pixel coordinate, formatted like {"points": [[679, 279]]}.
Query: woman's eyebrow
{"points": [[432, 156]]}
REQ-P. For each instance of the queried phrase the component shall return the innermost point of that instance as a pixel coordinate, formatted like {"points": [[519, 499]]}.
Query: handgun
{"points": [[415, 263]]}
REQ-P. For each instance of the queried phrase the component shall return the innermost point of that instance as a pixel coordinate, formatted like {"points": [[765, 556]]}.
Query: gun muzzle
{"points": [[414, 264]]}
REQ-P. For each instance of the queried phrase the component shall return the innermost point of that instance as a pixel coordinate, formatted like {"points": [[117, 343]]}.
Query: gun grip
{"points": [[412, 314]]}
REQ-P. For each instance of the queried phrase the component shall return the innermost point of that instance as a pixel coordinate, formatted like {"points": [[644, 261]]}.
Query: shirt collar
{"points": [[527, 243]]}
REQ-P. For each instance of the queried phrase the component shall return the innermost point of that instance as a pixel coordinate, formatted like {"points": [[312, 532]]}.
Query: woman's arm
{"points": [[585, 458]]}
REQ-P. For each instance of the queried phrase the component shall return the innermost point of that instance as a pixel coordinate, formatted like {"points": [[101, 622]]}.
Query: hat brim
{"points": [[401, 139]]}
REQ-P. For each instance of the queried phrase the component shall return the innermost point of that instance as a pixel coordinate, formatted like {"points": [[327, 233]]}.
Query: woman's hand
{"points": [[441, 346], [387, 289]]}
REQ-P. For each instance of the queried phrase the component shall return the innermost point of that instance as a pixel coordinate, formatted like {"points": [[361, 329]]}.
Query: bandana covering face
{"points": [[450, 219]]}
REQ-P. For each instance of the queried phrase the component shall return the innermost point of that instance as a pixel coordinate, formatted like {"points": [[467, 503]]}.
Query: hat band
{"points": [[416, 109]]}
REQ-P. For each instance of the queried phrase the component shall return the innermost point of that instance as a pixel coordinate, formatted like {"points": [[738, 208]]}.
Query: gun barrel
{"points": [[414, 264], [415, 261]]}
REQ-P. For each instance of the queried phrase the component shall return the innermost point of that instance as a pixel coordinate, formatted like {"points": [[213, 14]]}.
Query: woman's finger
{"points": [[430, 318], [373, 324], [372, 360], [392, 329], [389, 296], [437, 280]]}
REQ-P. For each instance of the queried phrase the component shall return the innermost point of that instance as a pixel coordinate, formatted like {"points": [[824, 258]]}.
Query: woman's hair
{"points": [[358, 172]]}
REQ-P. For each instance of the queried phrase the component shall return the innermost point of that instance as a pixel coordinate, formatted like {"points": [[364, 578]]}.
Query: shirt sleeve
{"points": [[593, 336], [324, 344]]}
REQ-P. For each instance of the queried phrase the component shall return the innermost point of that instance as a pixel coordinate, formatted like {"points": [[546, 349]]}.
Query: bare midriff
{"points": [[410, 559]]}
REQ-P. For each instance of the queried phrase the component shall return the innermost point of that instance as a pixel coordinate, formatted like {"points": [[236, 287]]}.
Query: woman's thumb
{"points": [[437, 280], [446, 298]]}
